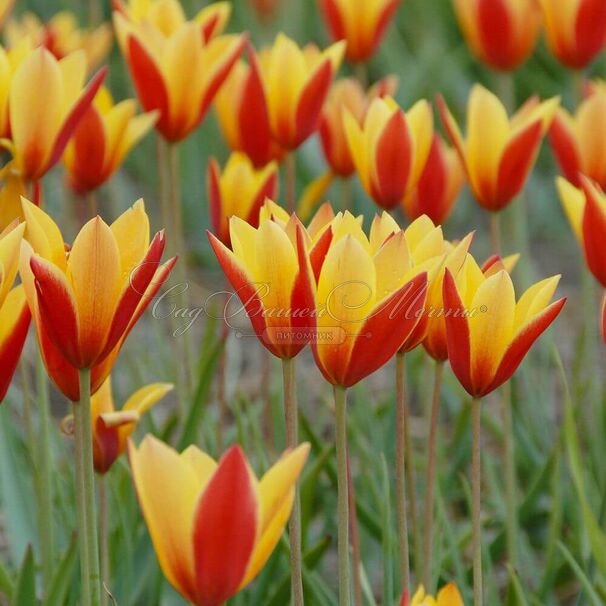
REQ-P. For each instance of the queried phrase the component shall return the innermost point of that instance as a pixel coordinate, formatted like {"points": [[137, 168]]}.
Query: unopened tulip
{"points": [[268, 268], [346, 95], [489, 332], [439, 185], [156, 64], [361, 24], [579, 141], [499, 152], [501, 33], [86, 302], [239, 191], [111, 427], [213, 525], [61, 35], [449, 595], [14, 313], [576, 30], [243, 112], [390, 149], [102, 139], [369, 300], [167, 16], [297, 81], [47, 100]]}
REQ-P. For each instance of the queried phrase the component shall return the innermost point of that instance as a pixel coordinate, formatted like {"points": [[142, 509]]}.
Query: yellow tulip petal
{"points": [[573, 201], [43, 234], [131, 233]]}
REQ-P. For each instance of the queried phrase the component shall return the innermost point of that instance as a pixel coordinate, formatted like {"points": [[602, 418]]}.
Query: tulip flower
{"points": [[501, 33], [239, 191], [499, 152], [86, 303], [390, 149], [243, 112], [439, 185], [361, 24], [449, 595], [112, 428], [182, 97], [270, 272], [213, 525], [167, 16], [576, 30], [41, 125], [102, 139], [579, 141], [14, 313], [61, 36], [297, 81], [488, 332]]}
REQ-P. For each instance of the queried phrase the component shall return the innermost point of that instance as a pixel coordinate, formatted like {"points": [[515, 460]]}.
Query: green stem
{"points": [[85, 488], [401, 426], [104, 540], [90, 201], [340, 394], [431, 474], [476, 481], [361, 71], [44, 464], [291, 182], [292, 438], [495, 232], [510, 476]]}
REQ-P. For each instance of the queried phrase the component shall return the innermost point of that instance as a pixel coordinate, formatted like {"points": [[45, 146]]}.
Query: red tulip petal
{"points": [[590, 30], [457, 333], [215, 202], [496, 32], [318, 253], [74, 117], [225, 529], [522, 343], [149, 84], [268, 189], [334, 19], [57, 309], [516, 163], [594, 232], [244, 289], [565, 148], [386, 16], [311, 102], [393, 161], [383, 333]]}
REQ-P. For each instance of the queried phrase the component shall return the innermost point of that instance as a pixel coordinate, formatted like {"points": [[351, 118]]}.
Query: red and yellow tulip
{"points": [[213, 525], [390, 149], [86, 302], [111, 427], [576, 30], [167, 16], [156, 59], [269, 269], [361, 24], [579, 141], [501, 33], [14, 312], [489, 332], [102, 139], [62, 36], [439, 185], [239, 191], [499, 152], [449, 595], [369, 300], [41, 125]]}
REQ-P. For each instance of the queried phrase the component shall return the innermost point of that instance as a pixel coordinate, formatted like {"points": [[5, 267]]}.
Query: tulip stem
{"points": [[431, 473], [44, 463], [476, 481], [104, 539], [402, 438], [495, 232], [291, 181], [292, 438], [340, 394], [355, 536], [85, 488], [90, 200], [361, 71], [510, 475]]}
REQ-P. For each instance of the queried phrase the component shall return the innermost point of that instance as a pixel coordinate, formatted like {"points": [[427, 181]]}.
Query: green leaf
{"points": [[7, 586], [63, 576], [578, 571], [25, 588], [515, 594]]}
